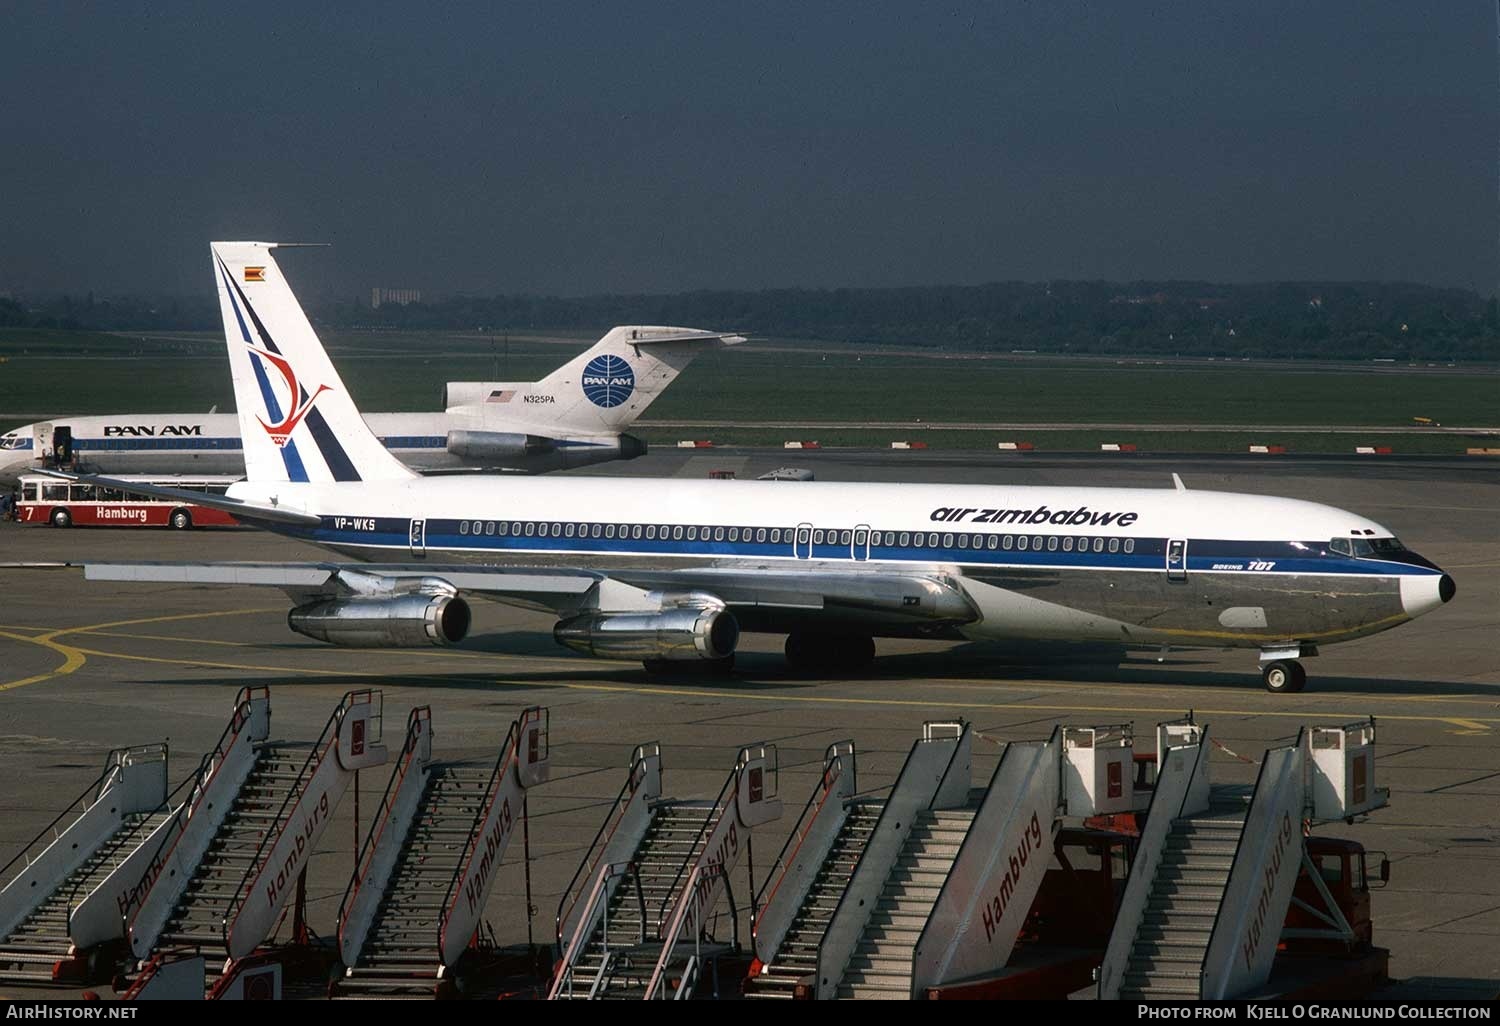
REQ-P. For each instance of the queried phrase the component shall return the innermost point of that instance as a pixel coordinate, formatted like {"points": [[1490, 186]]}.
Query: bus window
{"points": [[54, 493]]}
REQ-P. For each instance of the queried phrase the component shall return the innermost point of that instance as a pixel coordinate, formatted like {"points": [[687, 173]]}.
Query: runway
{"points": [[85, 668]]}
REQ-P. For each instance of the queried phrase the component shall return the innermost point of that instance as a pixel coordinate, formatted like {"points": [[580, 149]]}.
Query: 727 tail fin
{"points": [[297, 420]]}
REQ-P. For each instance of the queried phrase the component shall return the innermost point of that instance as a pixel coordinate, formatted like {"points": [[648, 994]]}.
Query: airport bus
{"points": [[47, 500]]}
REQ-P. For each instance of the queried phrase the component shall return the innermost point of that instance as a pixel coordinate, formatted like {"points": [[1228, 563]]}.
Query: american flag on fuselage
{"points": [[499, 396]]}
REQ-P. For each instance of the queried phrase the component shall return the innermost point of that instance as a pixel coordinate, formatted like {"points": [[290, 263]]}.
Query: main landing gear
{"points": [[829, 653], [1284, 675]]}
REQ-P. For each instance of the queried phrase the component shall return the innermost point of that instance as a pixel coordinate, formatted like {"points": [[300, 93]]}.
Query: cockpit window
{"points": [[1366, 548], [10, 442]]}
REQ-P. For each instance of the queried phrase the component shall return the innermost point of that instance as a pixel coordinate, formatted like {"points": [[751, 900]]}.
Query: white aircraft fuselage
{"points": [[1134, 566]]}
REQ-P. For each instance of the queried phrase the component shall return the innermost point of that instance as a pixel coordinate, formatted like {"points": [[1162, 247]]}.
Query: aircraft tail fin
{"points": [[604, 388], [297, 420]]}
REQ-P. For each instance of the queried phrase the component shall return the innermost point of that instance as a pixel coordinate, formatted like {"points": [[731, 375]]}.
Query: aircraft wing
{"points": [[872, 598]]}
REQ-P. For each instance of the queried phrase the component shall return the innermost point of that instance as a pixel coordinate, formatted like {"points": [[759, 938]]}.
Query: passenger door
{"points": [[860, 548], [1177, 559], [802, 543]]}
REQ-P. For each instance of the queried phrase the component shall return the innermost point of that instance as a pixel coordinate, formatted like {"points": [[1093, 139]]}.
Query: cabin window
{"points": [[860, 537], [1007, 541], [734, 534], [500, 528], [718, 534], [609, 530], [1022, 543], [635, 533], [650, 532], [932, 540], [677, 533], [994, 542], [1052, 543], [489, 527], [963, 541], [918, 541], [1129, 544], [1114, 545], [760, 534], [845, 537], [692, 533], [569, 530], [1068, 544], [817, 537], [530, 528], [515, 528], [1098, 544], [463, 527]]}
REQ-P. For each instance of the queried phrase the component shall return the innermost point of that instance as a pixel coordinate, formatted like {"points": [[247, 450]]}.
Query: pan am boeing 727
{"points": [[670, 572]]}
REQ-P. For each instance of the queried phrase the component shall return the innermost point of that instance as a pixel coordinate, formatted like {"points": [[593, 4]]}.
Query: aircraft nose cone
{"points": [[1424, 593]]}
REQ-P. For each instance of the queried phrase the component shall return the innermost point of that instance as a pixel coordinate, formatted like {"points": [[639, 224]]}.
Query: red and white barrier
{"points": [[800, 445], [688, 443], [1269, 450], [908, 445], [1015, 446], [1117, 447], [1373, 450]]}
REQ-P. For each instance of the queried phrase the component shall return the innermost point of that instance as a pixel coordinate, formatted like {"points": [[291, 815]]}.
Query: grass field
{"points": [[79, 373]]}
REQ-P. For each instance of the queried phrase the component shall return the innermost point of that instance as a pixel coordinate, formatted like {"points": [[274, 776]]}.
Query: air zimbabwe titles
{"points": [[1080, 517]]}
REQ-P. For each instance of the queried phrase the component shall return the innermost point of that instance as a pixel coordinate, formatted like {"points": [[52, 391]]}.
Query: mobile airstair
{"points": [[72, 856], [1216, 866], [936, 889], [808, 878], [429, 861], [231, 856], [634, 922]]}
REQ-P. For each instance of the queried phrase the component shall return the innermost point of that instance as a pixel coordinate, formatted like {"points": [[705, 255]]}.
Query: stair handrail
{"points": [[836, 752], [114, 761], [633, 779], [1144, 866], [202, 778], [680, 917], [326, 743], [415, 720], [727, 794], [121, 839], [599, 892], [928, 736], [510, 755], [1239, 846]]}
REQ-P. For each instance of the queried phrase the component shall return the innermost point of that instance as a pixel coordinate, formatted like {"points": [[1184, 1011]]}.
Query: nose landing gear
{"points": [[1284, 675]]}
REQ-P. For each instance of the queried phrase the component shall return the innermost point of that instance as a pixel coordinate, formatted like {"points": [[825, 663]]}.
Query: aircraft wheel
{"points": [[62, 518], [1284, 676], [181, 519], [690, 667], [829, 653]]}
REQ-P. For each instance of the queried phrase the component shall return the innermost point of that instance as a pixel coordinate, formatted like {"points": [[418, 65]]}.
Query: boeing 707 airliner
{"points": [[670, 572]]}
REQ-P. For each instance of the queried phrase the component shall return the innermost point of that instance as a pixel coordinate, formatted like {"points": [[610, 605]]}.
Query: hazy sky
{"points": [[575, 148]]}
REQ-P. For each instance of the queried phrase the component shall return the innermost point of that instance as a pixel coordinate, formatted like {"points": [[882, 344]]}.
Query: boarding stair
{"points": [[882, 964], [73, 855], [218, 883], [945, 876], [1215, 865], [429, 861], [655, 872], [804, 885]]}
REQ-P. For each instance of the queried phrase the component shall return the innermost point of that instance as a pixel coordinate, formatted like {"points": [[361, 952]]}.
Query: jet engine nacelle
{"points": [[400, 621], [538, 454], [683, 634], [497, 447]]}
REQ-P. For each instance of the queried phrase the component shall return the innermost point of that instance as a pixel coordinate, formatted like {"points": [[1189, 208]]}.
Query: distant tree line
{"points": [[1354, 320]]}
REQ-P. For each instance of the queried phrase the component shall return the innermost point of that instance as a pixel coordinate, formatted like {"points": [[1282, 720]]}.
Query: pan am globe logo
{"points": [[608, 381]]}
